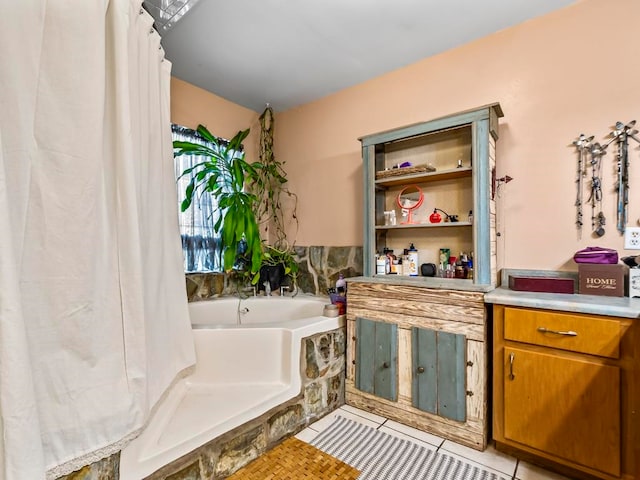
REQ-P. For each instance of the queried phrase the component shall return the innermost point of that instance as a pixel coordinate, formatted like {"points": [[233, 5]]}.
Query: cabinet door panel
{"points": [[452, 376], [377, 358], [424, 390], [365, 354], [566, 406], [439, 376]]}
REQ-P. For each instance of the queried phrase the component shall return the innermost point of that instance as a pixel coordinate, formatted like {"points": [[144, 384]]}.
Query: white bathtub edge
{"points": [[132, 464]]}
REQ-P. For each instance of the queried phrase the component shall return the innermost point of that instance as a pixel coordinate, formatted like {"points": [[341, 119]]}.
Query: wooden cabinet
{"points": [[459, 153], [418, 356], [564, 389], [438, 332]]}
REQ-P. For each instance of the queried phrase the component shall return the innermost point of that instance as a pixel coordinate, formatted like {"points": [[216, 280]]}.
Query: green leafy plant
{"points": [[224, 175], [250, 196], [273, 256]]}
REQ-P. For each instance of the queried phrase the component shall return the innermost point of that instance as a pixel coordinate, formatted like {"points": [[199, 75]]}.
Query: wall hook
{"points": [[496, 182]]}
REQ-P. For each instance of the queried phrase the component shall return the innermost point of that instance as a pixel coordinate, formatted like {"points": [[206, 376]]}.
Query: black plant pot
{"points": [[274, 274]]}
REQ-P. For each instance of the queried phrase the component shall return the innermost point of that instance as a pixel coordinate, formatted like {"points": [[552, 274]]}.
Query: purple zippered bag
{"points": [[596, 255]]}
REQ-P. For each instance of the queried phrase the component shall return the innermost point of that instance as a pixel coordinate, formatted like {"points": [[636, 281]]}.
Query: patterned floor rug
{"points": [[380, 456], [294, 459]]}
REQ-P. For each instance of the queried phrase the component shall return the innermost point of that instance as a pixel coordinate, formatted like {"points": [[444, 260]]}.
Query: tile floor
{"points": [[490, 459]]}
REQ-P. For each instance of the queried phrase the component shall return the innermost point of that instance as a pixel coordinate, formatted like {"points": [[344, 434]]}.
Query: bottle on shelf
{"points": [[393, 261], [412, 255], [381, 264], [470, 267]]}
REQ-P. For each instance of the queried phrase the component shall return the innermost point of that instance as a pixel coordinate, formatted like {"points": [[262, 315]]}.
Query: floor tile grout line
{"points": [[362, 416], [413, 437], [384, 423]]}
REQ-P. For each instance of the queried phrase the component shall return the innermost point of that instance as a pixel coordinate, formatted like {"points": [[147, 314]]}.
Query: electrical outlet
{"points": [[632, 238]]}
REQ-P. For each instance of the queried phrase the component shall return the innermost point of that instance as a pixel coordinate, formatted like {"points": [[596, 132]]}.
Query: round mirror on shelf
{"points": [[410, 198]]}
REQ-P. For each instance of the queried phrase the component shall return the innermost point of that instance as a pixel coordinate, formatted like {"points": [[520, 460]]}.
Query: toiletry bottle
{"points": [[449, 271], [451, 267], [413, 260], [381, 264], [459, 266], [405, 265], [341, 285], [387, 260], [470, 267], [393, 261]]}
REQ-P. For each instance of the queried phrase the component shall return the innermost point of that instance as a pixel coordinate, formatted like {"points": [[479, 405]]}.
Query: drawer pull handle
{"points": [[512, 356], [568, 333], [420, 369]]}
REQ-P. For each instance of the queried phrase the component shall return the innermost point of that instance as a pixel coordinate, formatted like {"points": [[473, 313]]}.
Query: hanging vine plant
{"points": [[271, 189]]}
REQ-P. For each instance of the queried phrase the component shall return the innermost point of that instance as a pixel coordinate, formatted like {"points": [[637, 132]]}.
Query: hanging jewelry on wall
{"points": [[621, 135], [598, 220], [583, 145]]}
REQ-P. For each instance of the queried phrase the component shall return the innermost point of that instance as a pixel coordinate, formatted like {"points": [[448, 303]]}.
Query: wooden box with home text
{"points": [[602, 279]]}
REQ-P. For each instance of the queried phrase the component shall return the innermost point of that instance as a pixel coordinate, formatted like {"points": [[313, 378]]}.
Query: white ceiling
{"points": [[290, 52]]}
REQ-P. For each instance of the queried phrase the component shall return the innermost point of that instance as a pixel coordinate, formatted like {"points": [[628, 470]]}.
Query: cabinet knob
{"points": [[385, 365], [420, 369]]}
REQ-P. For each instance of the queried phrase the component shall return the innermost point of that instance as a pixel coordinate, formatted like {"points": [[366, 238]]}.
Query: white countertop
{"points": [[595, 304]]}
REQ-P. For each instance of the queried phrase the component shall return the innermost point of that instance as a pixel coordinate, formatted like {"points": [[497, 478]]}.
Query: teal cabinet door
{"points": [[439, 373], [377, 358]]}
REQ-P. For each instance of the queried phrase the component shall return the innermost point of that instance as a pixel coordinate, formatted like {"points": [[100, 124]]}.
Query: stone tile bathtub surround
{"points": [[319, 269], [105, 469]]}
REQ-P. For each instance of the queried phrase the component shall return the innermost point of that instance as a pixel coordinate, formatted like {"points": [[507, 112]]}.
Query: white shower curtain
{"points": [[93, 314]]}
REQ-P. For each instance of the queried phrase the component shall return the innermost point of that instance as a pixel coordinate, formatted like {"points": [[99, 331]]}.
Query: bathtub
{"points": [[247, 362]]}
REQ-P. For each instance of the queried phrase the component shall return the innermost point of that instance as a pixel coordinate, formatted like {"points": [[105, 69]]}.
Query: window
{"points": [[200, 244]]}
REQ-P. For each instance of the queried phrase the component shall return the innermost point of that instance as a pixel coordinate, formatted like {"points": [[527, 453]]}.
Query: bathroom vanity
{"points": [[417, 345], [418, 355], [565, 381]]}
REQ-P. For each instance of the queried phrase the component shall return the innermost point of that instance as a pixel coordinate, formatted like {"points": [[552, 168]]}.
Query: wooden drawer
{"points": [[567, 331]]}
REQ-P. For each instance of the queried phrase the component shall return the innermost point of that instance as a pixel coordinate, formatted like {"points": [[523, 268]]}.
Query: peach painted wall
{"points": [[191, 105], [569, 72]]}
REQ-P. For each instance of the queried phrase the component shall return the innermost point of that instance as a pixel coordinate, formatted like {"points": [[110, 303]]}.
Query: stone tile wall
{"points": [[322, 368], [105, 469], [319, 269]]}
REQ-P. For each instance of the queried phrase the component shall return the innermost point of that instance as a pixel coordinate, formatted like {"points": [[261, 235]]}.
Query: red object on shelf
{"points": [[542, 284], [435, 217]]}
